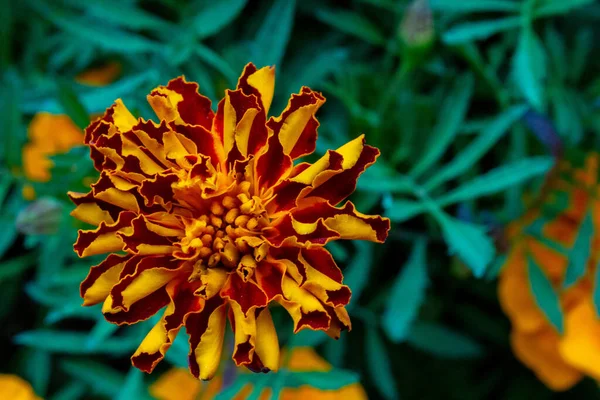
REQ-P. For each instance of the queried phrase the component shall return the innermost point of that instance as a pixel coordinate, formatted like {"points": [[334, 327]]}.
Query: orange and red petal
{"points": [[97, 285], [105, 238], [206, 330], [297, 126]]}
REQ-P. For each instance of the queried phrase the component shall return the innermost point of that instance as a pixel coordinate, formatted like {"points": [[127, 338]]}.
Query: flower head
{"points": [[178, 384], [559, 359], [206, 214]]}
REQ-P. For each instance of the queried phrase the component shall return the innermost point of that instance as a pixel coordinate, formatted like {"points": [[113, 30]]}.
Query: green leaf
{"points": [[106, 37], [134, 387], [72, 391], [356, 274], [334, 379], [215, 15], [529, 68], [351, 23], [39, 376], [470, 6], [580, 252], [443, 342], [401, 210], [274, 33], [490, 135], [102, 379], [499, 179], [213, 59], [63, 341], [553, 7], [72, 106], [468, 242], [120, 13], [407, 294], [480, 30], [379, 365], [16, 266], [544, 294], [95, 100], [450, 119]]}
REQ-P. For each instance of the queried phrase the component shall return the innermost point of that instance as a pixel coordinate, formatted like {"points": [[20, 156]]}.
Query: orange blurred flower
{"points": [[51, 134], [215, 220], [13, 387], [178, 384], [560, 361]]}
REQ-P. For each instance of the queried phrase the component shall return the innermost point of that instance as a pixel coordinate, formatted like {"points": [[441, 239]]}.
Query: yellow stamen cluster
{"points": [[227, 236]]}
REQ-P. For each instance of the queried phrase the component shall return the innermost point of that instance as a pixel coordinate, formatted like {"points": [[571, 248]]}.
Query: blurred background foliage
{"points": [[470, 102]]}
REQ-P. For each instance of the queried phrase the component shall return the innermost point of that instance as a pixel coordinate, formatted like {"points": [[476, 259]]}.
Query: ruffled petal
{"points": [[206, 330], [154, 346], [267, 344], [260, 83], [97, 285], [180, 102], [297, 126], [105, 238]]}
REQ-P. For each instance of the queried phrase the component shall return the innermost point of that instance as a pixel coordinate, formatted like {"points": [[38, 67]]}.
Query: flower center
{"points": [[227, 235]]}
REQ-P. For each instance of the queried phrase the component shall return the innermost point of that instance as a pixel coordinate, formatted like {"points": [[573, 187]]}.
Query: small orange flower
{"points": [[560, 361], [178, 384], [207, 215], [51, 134], [13, 387]]}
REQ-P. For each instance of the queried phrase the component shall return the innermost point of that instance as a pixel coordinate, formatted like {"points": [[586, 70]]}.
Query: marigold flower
{"points": [[178, 384], [560, 361], [15, 388], [207, 215]]}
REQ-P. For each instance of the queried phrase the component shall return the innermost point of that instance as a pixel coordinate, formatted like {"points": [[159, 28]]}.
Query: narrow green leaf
{"points": [[443, 342], [134, 387], [74, 390], [490, 135], [95, 100], [468, 242], [16, 266], [529, 66], [62, 341], [451, 117], [498, 179], [554, 7], [401, 210], [213, 15], [334, 379], [274, 33], [99, 333], [580, 252], [102, 379], [72, 106], [39, 377], [351, 23], [379, 365], [356, 274], [108, 38], [407, 294], [373, 183], [213, 59], [544, 294], [480, 30], [471, 6]]}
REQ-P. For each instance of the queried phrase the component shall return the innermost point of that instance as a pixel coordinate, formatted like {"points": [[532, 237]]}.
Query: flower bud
{"points": [[42, 217], [416, 29]]}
